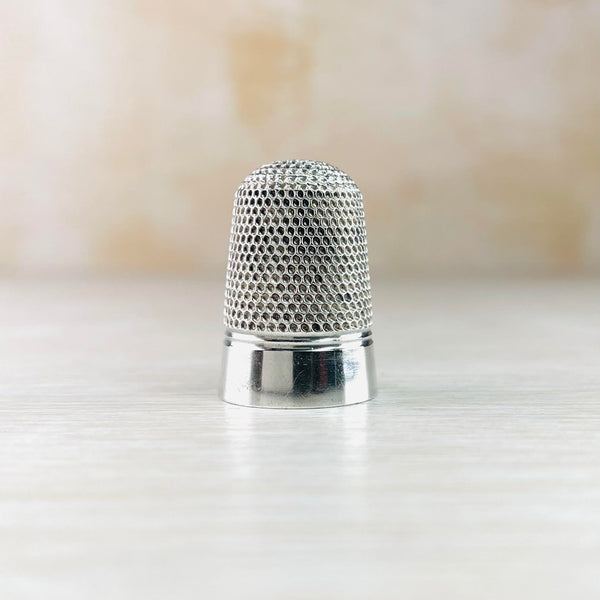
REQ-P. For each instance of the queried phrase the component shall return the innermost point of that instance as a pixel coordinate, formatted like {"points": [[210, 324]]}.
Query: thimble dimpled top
{"points": [[298, 283], [298, 258]]}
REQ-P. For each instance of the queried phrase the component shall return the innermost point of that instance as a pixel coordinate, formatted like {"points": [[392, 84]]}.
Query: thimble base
{"points": [[297, 372]]}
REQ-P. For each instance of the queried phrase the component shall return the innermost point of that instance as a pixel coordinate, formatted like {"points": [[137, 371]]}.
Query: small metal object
{"points": [[298, 307]]}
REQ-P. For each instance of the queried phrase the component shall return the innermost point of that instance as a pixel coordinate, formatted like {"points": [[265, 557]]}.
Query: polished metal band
{"points": [[279, 371]]}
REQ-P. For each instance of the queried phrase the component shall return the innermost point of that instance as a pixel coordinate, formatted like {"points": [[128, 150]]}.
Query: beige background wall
{"points": [[471, 127]]}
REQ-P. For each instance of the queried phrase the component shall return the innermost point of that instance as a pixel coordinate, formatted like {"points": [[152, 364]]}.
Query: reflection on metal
{"points": [[300, 372]]}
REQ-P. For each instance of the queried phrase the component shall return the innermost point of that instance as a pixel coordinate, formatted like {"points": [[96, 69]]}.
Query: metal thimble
{"points": [[298, 309]]}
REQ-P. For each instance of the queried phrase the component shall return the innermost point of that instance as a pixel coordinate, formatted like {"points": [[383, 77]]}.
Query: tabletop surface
{"points": [[475, 473]]}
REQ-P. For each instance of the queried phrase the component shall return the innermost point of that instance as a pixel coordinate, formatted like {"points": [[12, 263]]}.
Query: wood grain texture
{"points": [[474, 474]]}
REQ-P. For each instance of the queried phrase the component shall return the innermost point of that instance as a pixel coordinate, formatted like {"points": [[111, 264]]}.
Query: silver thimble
{"points": [[298, 309]]}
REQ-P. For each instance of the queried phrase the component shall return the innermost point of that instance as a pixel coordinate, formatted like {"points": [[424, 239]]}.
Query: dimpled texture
{"points": [[298, 261]]}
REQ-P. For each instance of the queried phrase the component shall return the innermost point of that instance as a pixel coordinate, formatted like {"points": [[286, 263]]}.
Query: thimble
{"points": [[298, 311]]}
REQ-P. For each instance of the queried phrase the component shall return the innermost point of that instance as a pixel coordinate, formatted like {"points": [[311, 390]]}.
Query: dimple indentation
{"points": [[298, 246]]}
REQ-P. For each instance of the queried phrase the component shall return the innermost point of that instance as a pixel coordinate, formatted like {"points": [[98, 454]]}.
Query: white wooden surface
{"points": [[474, 474]]}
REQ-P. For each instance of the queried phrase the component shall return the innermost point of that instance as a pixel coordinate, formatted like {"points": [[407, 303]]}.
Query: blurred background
{"points": [[472, 128]]}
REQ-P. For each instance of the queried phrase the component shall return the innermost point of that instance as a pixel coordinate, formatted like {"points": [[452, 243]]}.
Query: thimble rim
{"points": [[305, 376], [282, 341]]}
